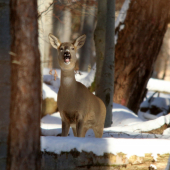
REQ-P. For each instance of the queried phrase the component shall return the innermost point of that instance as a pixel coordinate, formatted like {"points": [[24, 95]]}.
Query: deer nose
{"points": [[66, 53]]}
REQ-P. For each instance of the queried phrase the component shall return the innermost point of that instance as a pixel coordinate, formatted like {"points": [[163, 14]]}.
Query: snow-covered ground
{"points": [[125, 125], [125, 133]]}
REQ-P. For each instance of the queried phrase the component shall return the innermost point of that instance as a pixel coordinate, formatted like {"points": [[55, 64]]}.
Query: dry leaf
{"points": [[55, 75], [50, 72]]}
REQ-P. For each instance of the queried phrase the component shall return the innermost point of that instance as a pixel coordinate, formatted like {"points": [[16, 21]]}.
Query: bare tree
{"points": [[104, 87], [162, 65], [44, 27], [88, 29], [99, 38], [62, 19], [140, 37], [4, 80], [24, 133]]}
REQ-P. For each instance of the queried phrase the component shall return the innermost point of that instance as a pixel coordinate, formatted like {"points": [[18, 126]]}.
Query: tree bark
{"points": [[105, 86], [162, 65], [61, 26], [57, 30], [83, 11], [66, 33], [24, 133], [4, 80], [137, 48], [45, 26], [99, 38], [107, 78], [88, 29]]}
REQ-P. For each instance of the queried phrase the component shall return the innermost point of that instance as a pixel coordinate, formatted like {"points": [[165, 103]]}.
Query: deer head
{"points": [[67, 51]]}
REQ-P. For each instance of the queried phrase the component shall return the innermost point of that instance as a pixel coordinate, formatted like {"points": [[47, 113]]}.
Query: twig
{"points": [[45, 10], [55, 74]]}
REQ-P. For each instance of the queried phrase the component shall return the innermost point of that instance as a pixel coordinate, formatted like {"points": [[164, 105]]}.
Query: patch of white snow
{"points": [[158, 85], [48, 92], [106, 145]]}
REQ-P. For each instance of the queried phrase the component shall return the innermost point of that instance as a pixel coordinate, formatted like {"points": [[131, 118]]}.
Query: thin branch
{"points": [[39, 15]]}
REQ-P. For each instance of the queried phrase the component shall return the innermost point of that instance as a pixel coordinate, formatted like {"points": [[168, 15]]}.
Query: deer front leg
{"points": [[98, 131], [85, 129], [65, 128], [79, 128], [74, 131]]}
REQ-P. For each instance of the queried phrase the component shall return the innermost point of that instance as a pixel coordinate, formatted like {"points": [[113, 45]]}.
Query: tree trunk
{"points": [[107, 78], [137, 48], [45, 26], [88, 29], [61, 26], [162, 65], [24, 133], [66, 33], [105, 86], [99, 38], [57, 30], [4, 80], [83, 10]]}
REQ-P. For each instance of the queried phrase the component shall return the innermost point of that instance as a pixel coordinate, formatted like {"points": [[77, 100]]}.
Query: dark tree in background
{"points": [[137, 48], [88, 28], [99, 38], [162, 65], [70, 20], [24, 133], [61, 24], [4, 80], [104, 41]]}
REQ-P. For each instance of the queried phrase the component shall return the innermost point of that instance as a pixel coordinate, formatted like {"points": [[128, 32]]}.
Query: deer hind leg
{"points": [[65, 128], [98, 131]]}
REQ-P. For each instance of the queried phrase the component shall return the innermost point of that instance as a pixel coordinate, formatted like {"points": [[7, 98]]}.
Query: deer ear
{"points": [[79, 42], [55, 42]]}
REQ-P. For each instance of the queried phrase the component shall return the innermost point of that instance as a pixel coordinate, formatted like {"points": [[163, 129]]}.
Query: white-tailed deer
{"points": [[78, 107]]}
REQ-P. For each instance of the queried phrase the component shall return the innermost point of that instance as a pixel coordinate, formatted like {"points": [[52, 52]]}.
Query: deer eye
{"points": [[72, 48], [61, 49]]}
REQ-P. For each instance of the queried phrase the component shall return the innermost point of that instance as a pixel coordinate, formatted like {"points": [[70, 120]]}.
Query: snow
{"points": [[122, 14], [166, 131], [146, 116], [88, 79], [48, 92], [158, 85], [125, 124], [153, 166], [121, 18], [122, 116], [125, 135], [128, 126], [154, 102], [129, 147], [82, 77]]}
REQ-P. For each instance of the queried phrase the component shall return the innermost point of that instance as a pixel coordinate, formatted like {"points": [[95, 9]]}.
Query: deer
{"points": [[79, 108]]}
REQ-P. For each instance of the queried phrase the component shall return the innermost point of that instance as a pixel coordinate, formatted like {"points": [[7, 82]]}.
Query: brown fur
{"points": [[78, 107]]}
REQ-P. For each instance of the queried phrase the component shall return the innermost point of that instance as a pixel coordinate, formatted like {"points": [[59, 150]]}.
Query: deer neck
{"points": [[68, 80]]}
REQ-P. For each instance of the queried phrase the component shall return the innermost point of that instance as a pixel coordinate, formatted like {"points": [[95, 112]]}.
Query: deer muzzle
{"points": [[67, 57]]}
